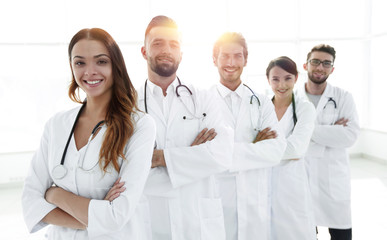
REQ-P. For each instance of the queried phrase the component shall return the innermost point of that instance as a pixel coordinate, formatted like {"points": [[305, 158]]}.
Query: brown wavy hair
{"points": [[123, 104]]}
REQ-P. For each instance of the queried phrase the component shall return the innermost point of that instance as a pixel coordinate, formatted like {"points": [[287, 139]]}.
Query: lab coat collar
{"points": [[151, 87], [171, 88], [224, 91], [328, 93]]}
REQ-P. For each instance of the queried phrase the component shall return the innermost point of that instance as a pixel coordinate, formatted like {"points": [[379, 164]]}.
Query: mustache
{"points": [[168, 57]]}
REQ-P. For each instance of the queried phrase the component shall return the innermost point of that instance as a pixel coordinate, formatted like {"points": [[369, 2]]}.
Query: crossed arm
{"points": [[72, 210], [205, 135]]}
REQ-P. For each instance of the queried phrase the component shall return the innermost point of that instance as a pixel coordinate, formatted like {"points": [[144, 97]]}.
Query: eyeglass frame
{"points": [[321, 62]]}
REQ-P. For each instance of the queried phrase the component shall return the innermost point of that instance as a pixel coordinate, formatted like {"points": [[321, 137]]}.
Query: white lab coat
{"points": [[246, 187], [125, 217], [184, 200], [292, 212], [327, 159]]}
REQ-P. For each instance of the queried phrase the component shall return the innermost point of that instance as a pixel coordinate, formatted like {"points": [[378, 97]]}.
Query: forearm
{"points": [[76, 206], [59, 217], [335, 136]]}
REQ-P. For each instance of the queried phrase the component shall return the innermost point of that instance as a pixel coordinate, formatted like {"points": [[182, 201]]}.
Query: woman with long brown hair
{"points": [[90, 185]]}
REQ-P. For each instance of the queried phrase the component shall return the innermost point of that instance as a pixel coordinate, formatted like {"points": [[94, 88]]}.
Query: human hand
{"points": [[115, 191], [158, 159], [342, 121], [204, 136], [265, 134]]}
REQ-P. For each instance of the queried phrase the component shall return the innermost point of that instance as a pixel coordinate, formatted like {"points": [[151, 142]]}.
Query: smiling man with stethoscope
{"points": [[183, 197], [336, 129], [257, 146]]}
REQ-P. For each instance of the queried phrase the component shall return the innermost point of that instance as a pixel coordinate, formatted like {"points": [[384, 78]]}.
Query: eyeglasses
{"points": [[316, 63]]}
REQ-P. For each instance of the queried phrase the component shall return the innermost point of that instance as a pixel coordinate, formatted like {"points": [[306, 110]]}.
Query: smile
{"points": [[93, 82], [232, 70]]}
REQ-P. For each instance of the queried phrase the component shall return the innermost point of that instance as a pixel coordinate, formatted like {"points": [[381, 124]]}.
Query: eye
{"points": [[175, 45], [79, 63], [102, 62], [157, 44]]}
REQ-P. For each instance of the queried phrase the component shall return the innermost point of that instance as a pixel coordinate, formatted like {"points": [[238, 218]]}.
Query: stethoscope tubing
{"points": [[61, 168], [178, 95]]}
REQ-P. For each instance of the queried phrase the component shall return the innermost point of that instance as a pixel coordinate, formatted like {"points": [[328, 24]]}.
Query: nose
{"points": [[90, 70], [282, 84], [320, 66], [231, 61], [166, 49]]}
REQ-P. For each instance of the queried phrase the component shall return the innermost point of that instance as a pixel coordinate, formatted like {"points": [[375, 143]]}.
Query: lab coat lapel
{"points": [[244, 107], [176, 107], [324, 98], [227, 113], [152, 105]]}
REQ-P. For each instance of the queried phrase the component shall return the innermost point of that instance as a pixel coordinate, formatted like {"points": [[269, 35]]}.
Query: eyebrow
{"points": [[96, 56]]}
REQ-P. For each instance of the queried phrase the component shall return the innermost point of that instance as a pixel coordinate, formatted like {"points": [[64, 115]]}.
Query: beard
{"points": [[163, 69], [317, 80]]}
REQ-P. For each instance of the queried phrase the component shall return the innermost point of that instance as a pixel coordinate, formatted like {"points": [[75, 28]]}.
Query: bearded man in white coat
{"points": [[183, 197], [336, 129], [258, 145]]}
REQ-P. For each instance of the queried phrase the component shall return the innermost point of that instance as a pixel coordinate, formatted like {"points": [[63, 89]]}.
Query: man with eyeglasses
{"points": [[336, 129]]}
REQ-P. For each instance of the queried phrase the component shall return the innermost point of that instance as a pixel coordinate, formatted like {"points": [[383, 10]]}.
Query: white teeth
{"points": [[93, 82]]}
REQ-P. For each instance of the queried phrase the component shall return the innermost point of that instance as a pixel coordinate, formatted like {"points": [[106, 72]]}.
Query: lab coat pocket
{"points": [[211, 217]]}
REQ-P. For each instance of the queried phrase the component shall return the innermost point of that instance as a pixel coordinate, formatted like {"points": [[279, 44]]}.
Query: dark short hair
{"points": [[323, 48], [160, 21], [285, 63], [230, 37]]}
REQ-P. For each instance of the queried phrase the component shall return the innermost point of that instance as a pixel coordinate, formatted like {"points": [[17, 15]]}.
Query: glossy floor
{"points": [[369, 205]]}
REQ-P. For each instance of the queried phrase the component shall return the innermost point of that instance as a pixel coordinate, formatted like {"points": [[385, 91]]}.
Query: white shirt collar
{"points": [[154, 88], [224, 91]]}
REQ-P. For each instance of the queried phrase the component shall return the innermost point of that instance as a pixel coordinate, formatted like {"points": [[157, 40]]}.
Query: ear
{"points": [[333, 68], [143, 52], [181, 56], [214, 61], [245, 63], [296, 79], [305, 67]]}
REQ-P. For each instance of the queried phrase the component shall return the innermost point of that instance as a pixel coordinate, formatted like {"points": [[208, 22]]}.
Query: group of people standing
{"points": [[172, 162]]}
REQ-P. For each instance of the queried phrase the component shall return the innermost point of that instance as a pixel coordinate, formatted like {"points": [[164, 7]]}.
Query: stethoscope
{"points": [[60, 171], [192, 114], [294, 109], [325, 108], [330, 99], [254, 98]]}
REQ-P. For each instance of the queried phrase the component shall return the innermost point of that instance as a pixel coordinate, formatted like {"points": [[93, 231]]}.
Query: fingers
{"points": [[265, 134], [115, 191], [198, 137], [204, 136], [342, 121], [208, 136]]}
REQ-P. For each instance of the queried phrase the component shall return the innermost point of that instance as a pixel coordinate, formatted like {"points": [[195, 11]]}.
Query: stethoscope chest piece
{"points": [[59, 171]]}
